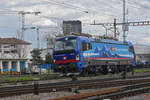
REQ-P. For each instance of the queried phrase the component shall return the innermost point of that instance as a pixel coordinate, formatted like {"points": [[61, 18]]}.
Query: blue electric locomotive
{"points": [[85, 55]]}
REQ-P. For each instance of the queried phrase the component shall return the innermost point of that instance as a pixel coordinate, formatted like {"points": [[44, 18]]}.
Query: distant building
{"points": [[72, 27], [13, 55], [142, 53]]}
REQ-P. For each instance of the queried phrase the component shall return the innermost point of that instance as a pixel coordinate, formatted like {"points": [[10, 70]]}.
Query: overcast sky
{"points": [[54, 11]]}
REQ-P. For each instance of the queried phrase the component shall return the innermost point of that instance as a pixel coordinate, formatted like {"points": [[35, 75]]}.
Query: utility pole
{"points": [[115, 29], [124, 33], [38, 37], [124, 19], [23, 21]]}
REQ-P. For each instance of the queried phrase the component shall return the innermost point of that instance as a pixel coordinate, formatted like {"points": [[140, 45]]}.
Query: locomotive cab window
{"points": [[86, 46], [131, 49]]}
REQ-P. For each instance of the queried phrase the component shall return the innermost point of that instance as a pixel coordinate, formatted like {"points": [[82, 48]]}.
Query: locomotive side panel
{"points": [[108, 54]]}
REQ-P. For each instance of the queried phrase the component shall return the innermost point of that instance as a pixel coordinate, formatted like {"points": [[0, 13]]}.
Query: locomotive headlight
{"points": [[77, 57], [54, 60]]}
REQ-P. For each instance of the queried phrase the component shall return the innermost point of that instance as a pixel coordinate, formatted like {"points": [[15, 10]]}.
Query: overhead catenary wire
{"points": [[60, 4], [8, 10], [50, 17], [138, 7], [85, 10], [72, 6], [133, 4], [67, 5]]}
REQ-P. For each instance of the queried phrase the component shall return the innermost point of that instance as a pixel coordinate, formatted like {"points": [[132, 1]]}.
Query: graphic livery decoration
{"points": [[109, 52], [112, 48]]}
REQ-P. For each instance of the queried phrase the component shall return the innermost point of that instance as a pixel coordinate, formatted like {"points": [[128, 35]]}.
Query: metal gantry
{"points": [[38, 33], [23, 13], [140, 23], [125, 25]]}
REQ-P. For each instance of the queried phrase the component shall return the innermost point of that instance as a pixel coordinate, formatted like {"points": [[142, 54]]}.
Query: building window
{"points": [[14, 64], [5, 64], [13, 51], [7, 52], [13, 45], [5, 46]]}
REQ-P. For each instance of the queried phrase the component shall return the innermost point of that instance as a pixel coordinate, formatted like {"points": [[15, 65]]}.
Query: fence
{"points": [[46, 66]]}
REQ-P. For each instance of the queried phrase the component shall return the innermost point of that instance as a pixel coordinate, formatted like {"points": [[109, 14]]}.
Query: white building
{"points": [[13, 55], [142, 53]]}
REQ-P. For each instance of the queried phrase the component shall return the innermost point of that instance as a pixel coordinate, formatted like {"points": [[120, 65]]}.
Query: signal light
{"points": [[77, 57], [64, 58]]}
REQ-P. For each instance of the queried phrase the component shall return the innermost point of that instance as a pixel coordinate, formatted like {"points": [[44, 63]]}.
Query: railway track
{"points": [[111, 94], [68, 86], [59, 78]]}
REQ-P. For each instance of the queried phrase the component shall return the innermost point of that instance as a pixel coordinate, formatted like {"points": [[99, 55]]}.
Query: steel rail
{"points": [[67, 86], [112, 94]]}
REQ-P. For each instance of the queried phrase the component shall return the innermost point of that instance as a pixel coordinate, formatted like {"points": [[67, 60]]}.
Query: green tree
{"points": [[49, 59], [36, 58]]}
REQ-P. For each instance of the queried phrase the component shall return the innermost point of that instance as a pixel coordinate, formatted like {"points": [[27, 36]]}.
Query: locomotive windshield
{"points": [[65, 45]]}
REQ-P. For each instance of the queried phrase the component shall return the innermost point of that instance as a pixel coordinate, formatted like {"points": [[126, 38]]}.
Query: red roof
{"points": [[13, 41]]}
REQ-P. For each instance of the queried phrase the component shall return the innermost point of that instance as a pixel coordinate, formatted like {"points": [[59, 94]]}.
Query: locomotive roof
{"points": [[95, 39], [103, 40]]}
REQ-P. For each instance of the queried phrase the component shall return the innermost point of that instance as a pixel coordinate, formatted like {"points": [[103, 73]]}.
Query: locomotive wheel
{"points": [[104, 70], [85, 72], [115, 69], [129, 68], [92, 70]]}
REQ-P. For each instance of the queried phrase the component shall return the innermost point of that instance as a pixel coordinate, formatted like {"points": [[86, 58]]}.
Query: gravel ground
{"points": [[46, 96], [41, 96], [139, 97]]}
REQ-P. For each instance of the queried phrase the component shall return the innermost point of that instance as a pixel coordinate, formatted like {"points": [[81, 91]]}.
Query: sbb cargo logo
{"points": [[112, 48]]}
